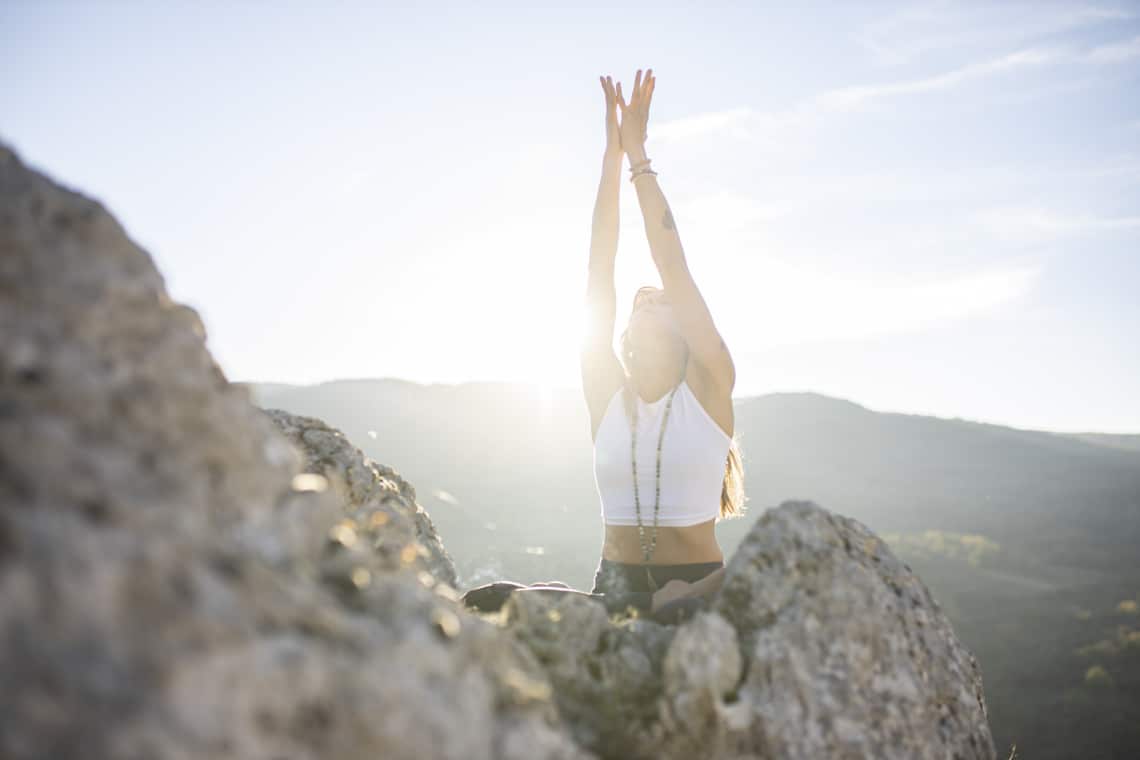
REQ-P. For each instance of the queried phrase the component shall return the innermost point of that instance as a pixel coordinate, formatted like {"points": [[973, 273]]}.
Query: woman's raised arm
{"points": [[600, 366], [600, 291], [696, 322]]}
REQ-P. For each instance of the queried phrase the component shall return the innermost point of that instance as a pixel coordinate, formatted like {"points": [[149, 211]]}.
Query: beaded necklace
{"points": [[648, 552]]}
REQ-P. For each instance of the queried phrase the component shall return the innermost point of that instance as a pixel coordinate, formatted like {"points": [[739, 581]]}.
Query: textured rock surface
{"points": [[848, 654], [606, 675], [820, 643], [380, 506], [167, 592], [183, 575], [629, 687]]}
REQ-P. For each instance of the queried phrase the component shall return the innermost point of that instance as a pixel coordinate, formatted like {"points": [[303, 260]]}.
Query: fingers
{"points": [[642, 90], [642, 87]]}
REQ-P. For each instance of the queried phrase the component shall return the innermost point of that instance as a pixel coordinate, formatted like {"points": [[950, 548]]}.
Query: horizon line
{"points": [[803, 392]]}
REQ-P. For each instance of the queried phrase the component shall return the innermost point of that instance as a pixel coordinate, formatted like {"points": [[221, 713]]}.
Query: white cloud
{"points": [[725, 211], [747, 122], [1125, 166], [1032, 225], [732, 121], [1115, 52], [950, 26], [786, 304], [932, 27], [850, 97]]}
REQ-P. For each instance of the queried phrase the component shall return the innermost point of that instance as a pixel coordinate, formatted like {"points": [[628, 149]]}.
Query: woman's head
{"points": [[653, 350]]}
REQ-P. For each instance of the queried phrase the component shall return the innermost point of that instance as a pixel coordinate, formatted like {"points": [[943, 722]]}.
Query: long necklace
{"points": [[648, 552]]}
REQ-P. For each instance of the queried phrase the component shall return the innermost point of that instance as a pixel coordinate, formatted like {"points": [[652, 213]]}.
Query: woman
{"points": [[676, 374], [669, 466]]}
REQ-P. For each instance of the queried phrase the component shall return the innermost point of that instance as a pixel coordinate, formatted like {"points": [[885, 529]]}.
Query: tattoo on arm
{"points": [[667, 220]]}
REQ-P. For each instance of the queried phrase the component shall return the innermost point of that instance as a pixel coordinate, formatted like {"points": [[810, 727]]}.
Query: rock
{"points": [[170, 588], [848, 654], [379, 505], [186, 576], [702, 670], [606, 674], [820, 643]]}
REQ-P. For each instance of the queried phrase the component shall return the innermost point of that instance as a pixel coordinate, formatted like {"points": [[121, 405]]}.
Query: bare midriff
{"points": [[675, 545]]}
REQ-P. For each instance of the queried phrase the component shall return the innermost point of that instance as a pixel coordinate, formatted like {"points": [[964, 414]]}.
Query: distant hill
{"points": [[1114, 440], [1058, 505], [1029, 539]]}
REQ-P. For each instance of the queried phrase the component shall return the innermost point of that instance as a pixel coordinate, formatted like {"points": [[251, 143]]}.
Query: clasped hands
{"points": [[629, 135]]}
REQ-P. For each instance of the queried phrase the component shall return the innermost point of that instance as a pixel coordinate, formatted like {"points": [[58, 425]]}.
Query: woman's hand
{"points": [[635, 116], [613, 130], [671, 591]]}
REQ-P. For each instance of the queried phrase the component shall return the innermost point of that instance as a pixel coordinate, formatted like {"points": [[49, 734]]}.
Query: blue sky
{"points": [[921, 207]]}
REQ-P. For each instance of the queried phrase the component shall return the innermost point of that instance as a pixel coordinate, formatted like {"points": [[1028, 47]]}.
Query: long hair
{"points": [[732, 496]]}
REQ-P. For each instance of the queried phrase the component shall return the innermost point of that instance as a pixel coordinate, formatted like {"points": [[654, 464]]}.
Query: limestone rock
{"points": [[169, 588], [820, 643], [379, 505], [606, 673], [702, 670], [848, 654]]}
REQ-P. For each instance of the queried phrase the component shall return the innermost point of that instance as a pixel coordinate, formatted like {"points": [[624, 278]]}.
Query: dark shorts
{"points": [[617, 585], [623, 584]]}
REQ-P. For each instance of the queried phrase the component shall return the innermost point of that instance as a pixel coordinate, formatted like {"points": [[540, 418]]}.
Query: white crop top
{"points": [[693, 457]]}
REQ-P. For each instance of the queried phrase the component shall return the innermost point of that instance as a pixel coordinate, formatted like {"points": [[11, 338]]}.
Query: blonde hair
{"points": [[732, 496]]}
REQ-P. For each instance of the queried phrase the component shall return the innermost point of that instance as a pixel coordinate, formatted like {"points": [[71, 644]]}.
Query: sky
{"points": [[921, 207]]}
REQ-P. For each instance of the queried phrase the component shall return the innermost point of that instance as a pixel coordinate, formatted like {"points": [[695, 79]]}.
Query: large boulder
{"points": [[847, 653], [173, 584], [820, 643]]}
